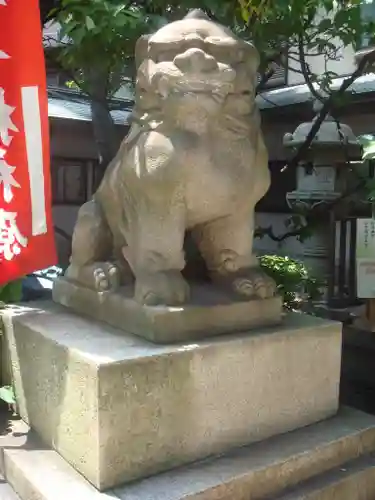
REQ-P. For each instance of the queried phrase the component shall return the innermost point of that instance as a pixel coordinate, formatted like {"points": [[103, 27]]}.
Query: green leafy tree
{"points": [[99, 38], [310, 29], [45, 7], [293, 279], [97, 41]]}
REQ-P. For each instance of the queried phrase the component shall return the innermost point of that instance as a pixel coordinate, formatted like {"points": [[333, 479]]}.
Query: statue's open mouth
{"points": [[174, 81], [219, 92], [211, 86]]}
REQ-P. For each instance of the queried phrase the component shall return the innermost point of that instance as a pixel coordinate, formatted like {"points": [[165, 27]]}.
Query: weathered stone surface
{"points": [[119, 408], [193, 162], [6, 492], [330, 460], [5, 370], [209, 313], [354, 481]]}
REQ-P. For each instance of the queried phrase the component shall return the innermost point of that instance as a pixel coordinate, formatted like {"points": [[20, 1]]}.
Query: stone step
{"points": [[353, 481], [255, 472]]}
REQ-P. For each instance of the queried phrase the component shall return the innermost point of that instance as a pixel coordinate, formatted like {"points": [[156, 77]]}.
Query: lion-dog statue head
{"points": [[191, 70]]}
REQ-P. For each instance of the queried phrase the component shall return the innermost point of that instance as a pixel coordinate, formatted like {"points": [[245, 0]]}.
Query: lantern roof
{"points": [[332, 136]]}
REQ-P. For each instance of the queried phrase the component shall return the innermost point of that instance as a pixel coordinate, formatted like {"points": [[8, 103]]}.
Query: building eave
{"points": [[299, 94], [72, 105]]}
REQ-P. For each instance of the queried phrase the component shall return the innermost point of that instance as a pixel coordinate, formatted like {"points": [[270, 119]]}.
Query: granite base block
{"points": [[210, 312], [119, 408]]}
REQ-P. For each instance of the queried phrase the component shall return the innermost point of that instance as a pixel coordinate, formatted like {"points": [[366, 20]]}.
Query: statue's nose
{"points": [[195, 61]]}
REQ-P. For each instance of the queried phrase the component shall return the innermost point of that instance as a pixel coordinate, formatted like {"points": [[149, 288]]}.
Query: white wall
{"points": [[345, 64], [125, 92]]}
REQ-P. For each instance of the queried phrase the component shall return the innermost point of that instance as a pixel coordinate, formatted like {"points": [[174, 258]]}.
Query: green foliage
{"points": [[99, 38], [293, 279], [370, 190], [368, 143], [322, 27], [7, 394], [297, 222], [11, 292], [101, 34]]}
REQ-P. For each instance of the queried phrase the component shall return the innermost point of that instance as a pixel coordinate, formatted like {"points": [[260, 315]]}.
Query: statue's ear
{"points": [[253, 58], [197, 14], [141, 50]]}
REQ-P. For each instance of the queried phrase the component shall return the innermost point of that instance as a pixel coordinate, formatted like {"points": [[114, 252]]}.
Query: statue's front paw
{"points": [[162, 288], [100, 276], [254, 283]]}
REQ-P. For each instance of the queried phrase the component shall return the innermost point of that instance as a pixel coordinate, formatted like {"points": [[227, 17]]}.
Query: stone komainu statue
{"points": [[194, 159]]}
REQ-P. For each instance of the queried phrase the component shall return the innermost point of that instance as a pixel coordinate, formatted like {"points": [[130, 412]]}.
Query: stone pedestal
{"points": [[210, 312], [119, 408]]}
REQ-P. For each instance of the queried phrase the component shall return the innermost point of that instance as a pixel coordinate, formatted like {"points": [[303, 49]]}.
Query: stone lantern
{"points": [[322, 177]]}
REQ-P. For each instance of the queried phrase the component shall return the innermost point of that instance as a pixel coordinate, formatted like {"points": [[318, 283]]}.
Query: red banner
{"points": [[26, 229]]}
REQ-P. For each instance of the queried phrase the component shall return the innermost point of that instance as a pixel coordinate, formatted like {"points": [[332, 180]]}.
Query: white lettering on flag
{"points": [[34, 151], [7, 179], [10, 237], [6, 123]]}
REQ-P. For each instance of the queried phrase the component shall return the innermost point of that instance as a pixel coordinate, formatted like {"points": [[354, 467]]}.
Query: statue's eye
{"points": [[165, 56], [240, 55], [226, 54], [221, 54]]}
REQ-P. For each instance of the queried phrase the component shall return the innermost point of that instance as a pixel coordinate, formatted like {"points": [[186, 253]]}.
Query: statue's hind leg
{"points": [[92, 261], [226, 245]]}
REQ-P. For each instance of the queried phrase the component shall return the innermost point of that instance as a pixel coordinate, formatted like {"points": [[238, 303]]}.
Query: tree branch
{"points": [[268, 231], [264, 79], [294, 70], [327, 105], [276, 59], [306, 72], [45, 7]]}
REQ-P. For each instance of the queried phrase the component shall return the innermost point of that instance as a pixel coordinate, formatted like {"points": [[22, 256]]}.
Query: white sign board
{"points": [[365, 257]]}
